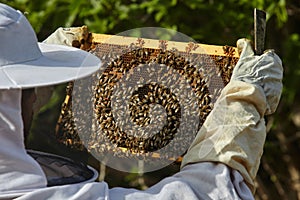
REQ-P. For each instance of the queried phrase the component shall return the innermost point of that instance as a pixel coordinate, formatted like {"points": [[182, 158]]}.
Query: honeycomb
{"points": [[141, 84]]}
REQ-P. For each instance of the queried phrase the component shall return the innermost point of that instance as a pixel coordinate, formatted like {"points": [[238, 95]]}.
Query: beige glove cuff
{"points": [[234, 132]]}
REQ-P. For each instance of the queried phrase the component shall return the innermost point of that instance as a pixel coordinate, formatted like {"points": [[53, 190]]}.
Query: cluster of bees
{"points": [[144, 99]]}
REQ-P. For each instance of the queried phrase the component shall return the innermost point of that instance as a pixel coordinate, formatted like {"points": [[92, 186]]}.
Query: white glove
{"points": [[75, 36], [19, 172], [265, 71], [234, 132]]}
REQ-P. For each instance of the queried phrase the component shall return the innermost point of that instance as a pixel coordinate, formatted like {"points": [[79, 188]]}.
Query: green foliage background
{"points": [[211, 22]]}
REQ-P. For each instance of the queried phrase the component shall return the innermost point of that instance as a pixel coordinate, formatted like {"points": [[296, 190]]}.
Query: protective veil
{"points": [[19, 173]]}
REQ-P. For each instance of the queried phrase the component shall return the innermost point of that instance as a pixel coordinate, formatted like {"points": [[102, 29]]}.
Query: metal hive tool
{"points": [[205, 68]]}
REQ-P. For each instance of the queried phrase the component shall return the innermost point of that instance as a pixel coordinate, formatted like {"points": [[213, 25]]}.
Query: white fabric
{"points": [[65, 36], [193, 182], [265, 71], [58, 64], [19, 172], [234, 133], [25, 63]]}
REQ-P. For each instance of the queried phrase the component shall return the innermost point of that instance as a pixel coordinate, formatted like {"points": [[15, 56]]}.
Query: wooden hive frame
{"points": [[225, 58]]}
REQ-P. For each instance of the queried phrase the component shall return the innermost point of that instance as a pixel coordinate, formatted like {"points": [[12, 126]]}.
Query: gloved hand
{"points": [[265, 71], [234, 132], [78, 37]]}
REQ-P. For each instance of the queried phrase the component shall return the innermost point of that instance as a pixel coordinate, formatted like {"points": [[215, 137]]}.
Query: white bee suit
{"points": [[193, 182], [25, 63], [234, 133]]}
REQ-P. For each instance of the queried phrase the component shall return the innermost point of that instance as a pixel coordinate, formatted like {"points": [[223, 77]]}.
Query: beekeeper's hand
{"points": [[265, 71], [234, 132], [75, 36]]}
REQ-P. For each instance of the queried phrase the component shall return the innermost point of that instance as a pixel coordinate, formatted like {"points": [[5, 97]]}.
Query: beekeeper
{"points": [[221, 163]]}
